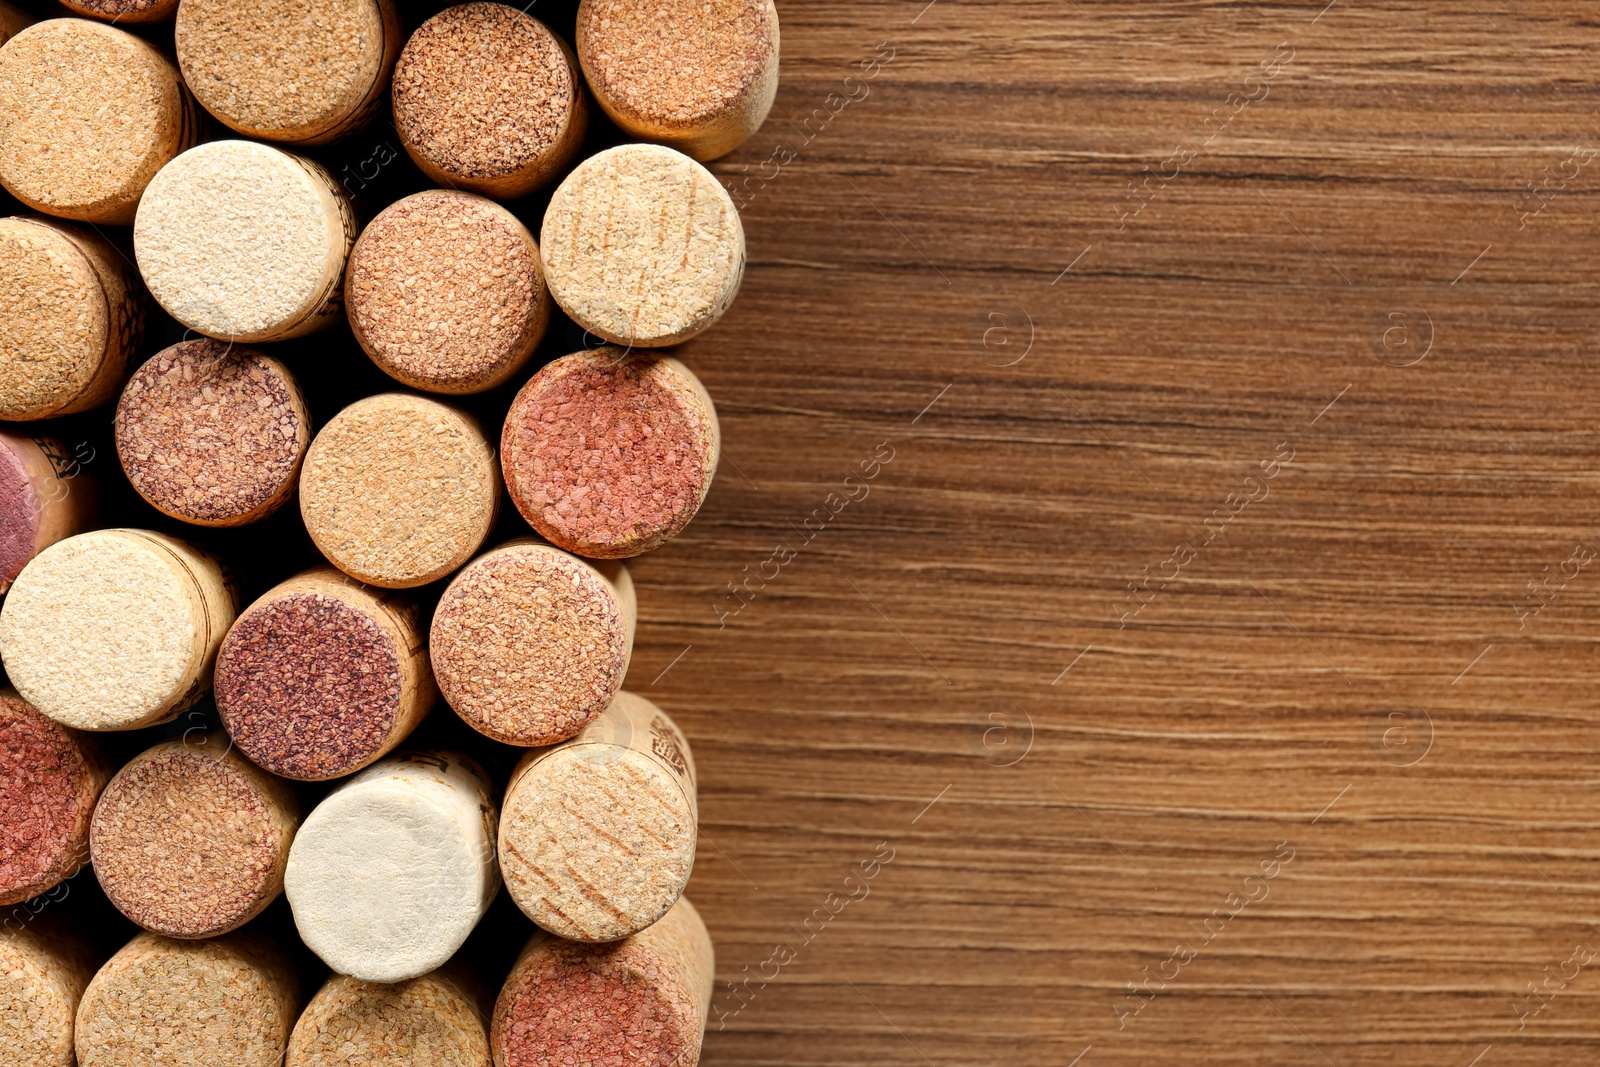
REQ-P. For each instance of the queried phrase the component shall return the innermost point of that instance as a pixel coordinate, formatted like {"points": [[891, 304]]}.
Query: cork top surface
{"points": [[529, 644], [36, 1005], [20, 509], [125, 10], [425, 1020], [642, 246], [445, 292], [54, 319], [399, 490], [61, 147], [608, 454], [483, 90], [211, 432], [47, 793], [292, 68]]}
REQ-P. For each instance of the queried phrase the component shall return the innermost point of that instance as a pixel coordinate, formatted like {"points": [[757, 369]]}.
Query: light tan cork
{"points": [[530, 643], [115, 629], [696, 75], [161, 1002], [134, 11], [435, 1020], [190, 838], [445, 292], [63, 150], [245, 242], [399, 490], [640, 1000], [44, 497], [391, 872], [43, 972], [642, 246], [71, 312], [300, 71], [12, 21], [597, 834]]}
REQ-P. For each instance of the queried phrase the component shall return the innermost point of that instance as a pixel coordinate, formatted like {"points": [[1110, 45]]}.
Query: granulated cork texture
{"points": [[41, 980], [427, 1020], [62, 150], [125, 10], [190, 840], [529, 643], [398, 490], [49, 779], [642, 246], [608, 454], [445, 292], [212, 433]]}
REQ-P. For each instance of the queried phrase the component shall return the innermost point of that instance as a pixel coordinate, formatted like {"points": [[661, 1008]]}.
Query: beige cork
{"points": [[212, 433], [695, 75], [392, 871], [640, 1000], [530, 643], [12, 21], [597, 834], [124, 11], [44, 496], [43, 972], [642, 246], [190, 838], [71, 312], [63, 149], [300, 71], [245, 242], [445, 292], [488, 99], [399, 490], [115, 629], [436, 1020], [161, 1002], [322, 676]]}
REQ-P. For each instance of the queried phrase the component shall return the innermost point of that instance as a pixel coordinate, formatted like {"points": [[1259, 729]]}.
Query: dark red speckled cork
{"points": [[50, 777]]}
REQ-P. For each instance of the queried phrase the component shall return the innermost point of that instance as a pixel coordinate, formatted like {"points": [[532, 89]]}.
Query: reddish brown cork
{"points": [[322, 676], [125, 10], [44, 496], [50, 777], [610, 454]]}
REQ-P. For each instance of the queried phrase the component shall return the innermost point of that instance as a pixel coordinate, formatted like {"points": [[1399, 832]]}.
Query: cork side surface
{"points": [[426, 1020], [55, 321], [21, 509], [50, 777]]}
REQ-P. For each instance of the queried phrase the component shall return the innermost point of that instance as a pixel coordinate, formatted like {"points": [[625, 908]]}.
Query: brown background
{"points": [[1304, 679]]}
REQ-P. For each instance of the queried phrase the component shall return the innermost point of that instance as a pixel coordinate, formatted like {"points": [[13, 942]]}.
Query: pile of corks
{"points": [[291, 695]]}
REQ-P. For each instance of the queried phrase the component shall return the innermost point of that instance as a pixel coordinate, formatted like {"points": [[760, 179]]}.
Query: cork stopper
{"points": [[212, 433], [399, 490], [597, 834], [137, 11], [50, 777], [427, 1020], [12, 21], [391, 872], [698, 76], [322, 676], [488, 99], [160, 1002], [530, 643], [71, 313], [641, 1000], [44, 497], [115, 629], [63, 150], [190, 839], [301, 71], [42, 978], [642, 246], [445, 292], [610, 454], [245, 242]]}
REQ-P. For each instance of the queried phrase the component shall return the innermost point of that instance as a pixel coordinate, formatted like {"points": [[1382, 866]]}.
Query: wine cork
{"points": [[391, 872], [12, 21], [42, 978], [302, 71], [641, 1000], [530, 643], [642, 246], [610, 454], [399, 490], [697, 76], [190, 839], [322, 676], [213, 433], [488, 99], [44, 497], [115, 629], [50, 777], [597, 834], [434, 1019], [71, 313], [161, 1002], [245, 242], [445, 292], [64, 149], [135, 11]]}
